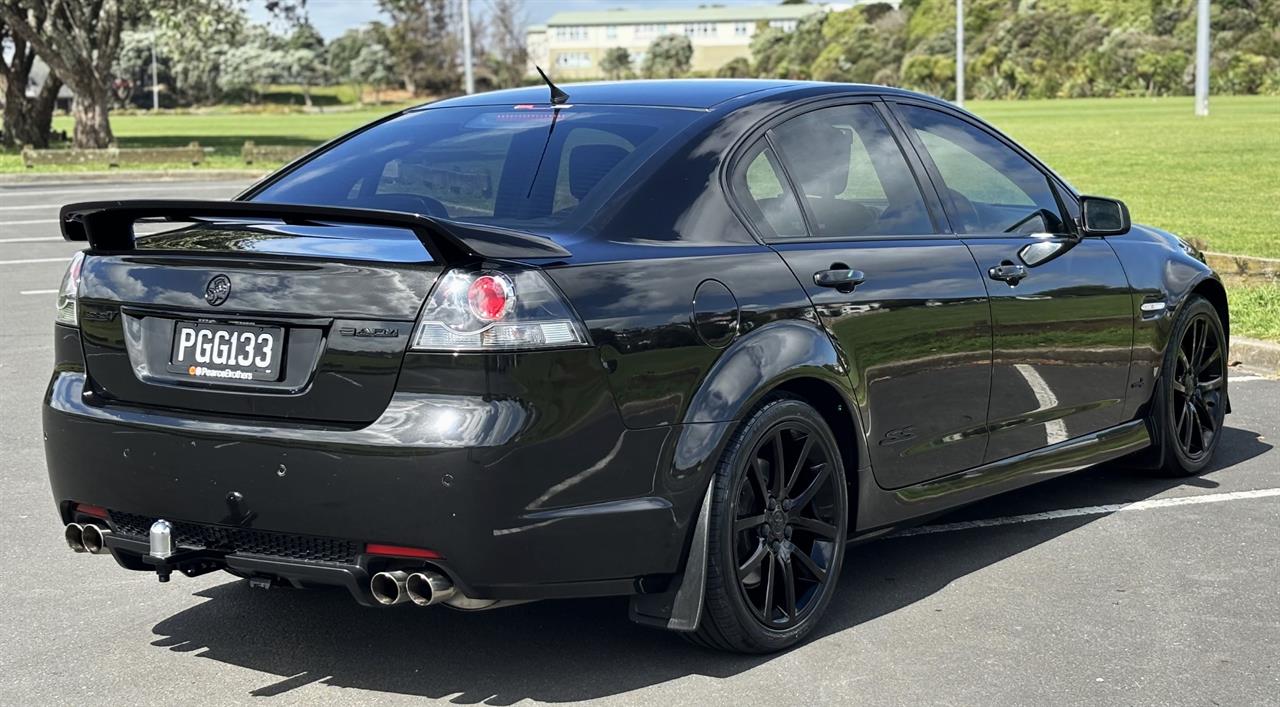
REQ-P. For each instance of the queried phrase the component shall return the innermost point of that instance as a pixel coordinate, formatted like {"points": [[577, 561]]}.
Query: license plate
{"points": [[227, 352]]}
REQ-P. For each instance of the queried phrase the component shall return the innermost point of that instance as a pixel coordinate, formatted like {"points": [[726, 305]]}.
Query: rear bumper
{"points": [[515, 512]]}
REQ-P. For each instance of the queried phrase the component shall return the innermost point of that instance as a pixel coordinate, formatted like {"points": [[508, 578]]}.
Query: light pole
{"points": [[155, 84], [960, 52], [468, 78], [1202, 57]]}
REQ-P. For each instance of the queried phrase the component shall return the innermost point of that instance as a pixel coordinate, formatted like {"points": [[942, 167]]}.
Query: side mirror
{"points": [[1100, 216]]}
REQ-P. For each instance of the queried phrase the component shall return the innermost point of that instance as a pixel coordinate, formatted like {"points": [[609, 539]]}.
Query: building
{"points": [[571, 44]]}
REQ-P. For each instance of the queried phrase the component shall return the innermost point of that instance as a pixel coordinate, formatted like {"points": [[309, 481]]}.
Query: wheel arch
{"points": [[803, 363], [793, 357], [1211, 289]]}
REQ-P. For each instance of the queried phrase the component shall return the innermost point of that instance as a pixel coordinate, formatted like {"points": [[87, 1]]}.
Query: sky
{"points": [[333, 17]]}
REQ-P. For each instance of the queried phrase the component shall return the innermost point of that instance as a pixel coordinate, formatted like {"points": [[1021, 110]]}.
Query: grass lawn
{"points": [[226, 132], [1215, 179], [1255, 308]]}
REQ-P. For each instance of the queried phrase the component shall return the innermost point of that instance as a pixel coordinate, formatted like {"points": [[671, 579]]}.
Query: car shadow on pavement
{"points": [[559, 651]]}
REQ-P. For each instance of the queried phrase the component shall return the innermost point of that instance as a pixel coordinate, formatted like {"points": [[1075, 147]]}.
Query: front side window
{"points": [[508, 167], [852, 174], [992, 189]]}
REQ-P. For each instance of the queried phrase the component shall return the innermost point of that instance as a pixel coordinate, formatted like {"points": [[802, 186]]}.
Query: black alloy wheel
{"points": [[1195, 377], [778, 530]]}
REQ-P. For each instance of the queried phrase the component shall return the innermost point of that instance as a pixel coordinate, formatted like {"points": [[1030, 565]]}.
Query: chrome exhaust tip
{"points": [[94, 538], [388, 588], [74, 534], [429, 588]]}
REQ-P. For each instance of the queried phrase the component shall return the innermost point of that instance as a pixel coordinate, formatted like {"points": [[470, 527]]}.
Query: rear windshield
{"points": [[514, 166]]}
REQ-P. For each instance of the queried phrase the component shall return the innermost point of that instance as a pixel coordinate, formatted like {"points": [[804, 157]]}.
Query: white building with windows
{"points": [[571, 44]]}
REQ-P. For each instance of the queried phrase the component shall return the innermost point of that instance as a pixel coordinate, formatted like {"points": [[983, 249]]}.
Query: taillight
{"points": [[68, 290], [492, 310]]}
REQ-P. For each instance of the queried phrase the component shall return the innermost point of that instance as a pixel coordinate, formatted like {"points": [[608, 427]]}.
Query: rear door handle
{"points": [[842, 279], [1008, 272]]}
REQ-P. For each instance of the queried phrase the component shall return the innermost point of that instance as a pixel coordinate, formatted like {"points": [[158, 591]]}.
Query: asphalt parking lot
{"points": [[1106, 587]]}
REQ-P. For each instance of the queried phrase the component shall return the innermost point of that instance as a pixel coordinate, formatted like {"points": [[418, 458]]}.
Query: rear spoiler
{"points": [[108, 225]]}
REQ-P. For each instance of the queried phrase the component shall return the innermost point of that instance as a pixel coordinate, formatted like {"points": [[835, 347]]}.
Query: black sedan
{"points": [[680, 341]]}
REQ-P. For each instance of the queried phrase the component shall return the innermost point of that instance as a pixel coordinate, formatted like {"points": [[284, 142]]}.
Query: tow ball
{"points": [[166, 557]]}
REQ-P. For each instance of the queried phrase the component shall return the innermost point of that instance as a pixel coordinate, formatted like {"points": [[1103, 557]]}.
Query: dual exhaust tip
{"points": [[424, 588], [90, 538]]}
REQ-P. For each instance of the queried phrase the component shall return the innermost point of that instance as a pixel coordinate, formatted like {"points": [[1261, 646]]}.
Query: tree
{"points": [[133, 67], [371, 66], [304, 66], [344, 50], [305, 36], [669, 56], [509, 56], [248, 67], [769, 46], [27, 120], [194, 36], [616, 62], [423, 44], [736, 68], [78, 39], [865, 44]]}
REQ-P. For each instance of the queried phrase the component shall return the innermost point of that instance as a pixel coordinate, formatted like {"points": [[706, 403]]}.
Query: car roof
{"points": [[670, 93]]}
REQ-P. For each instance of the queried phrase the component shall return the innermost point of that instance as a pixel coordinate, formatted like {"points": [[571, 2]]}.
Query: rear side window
{"points": [[992, 189], [852, 174], [509, 166], [770, 203]]}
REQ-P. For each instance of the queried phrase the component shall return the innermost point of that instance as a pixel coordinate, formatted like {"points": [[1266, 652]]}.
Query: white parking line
{"points": [[40, 239], [31, 223], [35, 260], [1092, 511], [39, 292]]}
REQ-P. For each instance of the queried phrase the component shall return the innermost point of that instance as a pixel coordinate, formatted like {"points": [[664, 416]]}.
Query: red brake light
{"points": [[490, 297]]}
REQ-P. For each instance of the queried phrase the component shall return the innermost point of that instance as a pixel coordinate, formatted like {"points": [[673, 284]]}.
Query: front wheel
{"points": [[1191, 399], [778, 525]]}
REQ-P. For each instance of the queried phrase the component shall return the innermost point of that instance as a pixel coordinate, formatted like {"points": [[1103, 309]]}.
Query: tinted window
{"points": [[507, 166], [853, 175], [769, 201], [992, 189]]}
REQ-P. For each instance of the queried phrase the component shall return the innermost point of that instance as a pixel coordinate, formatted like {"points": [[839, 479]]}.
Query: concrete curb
{"points": [[1262, 356], [1243, 265], [136, 175]]}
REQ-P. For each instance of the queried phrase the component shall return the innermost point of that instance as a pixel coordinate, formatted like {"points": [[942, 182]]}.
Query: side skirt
{"points": [[879, 509]]}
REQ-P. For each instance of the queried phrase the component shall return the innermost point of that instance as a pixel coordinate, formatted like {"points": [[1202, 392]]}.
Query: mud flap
{"points": [[680, 607]]}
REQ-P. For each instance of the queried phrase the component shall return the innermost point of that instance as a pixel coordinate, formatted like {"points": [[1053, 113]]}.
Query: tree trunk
{"points": [[27, 121], [93, 126], [46, 101]]}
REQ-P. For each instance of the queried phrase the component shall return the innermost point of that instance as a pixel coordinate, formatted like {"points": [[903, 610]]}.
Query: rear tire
{"points": [[1190, 401], [776, 541]]}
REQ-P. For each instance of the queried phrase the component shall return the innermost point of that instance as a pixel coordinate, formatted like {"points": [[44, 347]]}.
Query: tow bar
{"points": [[166, 557]]}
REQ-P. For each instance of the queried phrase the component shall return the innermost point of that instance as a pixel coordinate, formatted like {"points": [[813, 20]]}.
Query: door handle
{"points": [[1008, 272], [842, 279]]}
